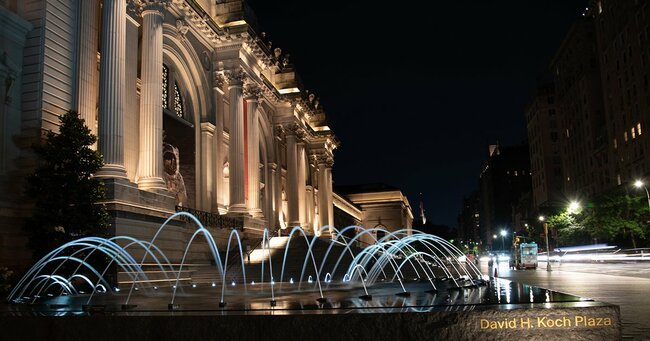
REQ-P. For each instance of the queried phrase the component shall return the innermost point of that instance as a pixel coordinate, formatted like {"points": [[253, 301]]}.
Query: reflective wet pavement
{"points": [[340, 299]]}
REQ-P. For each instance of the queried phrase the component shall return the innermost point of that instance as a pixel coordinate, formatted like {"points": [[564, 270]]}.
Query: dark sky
{"points": [[415, 94]]}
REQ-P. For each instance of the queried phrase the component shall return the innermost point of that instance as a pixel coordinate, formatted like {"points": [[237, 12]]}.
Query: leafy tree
{"points": [[570, 230], [618, 214], [63, 188]]}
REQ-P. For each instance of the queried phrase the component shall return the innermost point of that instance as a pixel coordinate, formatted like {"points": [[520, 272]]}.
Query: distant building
{"points": [[469, 220], [504, 178], [602, 102], [623, 41], [372, 206], [579, 97], [544, 146]]}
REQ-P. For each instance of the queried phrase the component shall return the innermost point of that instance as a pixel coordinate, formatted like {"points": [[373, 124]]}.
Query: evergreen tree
{"points": [[63, 189]]}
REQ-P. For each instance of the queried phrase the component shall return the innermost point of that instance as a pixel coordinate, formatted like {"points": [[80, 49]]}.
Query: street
{"points": [[626, 285]]}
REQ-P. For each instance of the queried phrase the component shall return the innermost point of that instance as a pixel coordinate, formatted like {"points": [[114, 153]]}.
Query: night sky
{"points": [[415, 119]]}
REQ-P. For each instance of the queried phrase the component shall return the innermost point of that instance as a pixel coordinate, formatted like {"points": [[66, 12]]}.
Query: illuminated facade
{"points": [[192, 105]]}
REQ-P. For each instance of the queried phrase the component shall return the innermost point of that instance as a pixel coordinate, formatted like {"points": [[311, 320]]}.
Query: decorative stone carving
{"points": [[182, 27], [219, 80], [323, 159], [279, 132], [235, 76], [252, 92], [277, 52]]}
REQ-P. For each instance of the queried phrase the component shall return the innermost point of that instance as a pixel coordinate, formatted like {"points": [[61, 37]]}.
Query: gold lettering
{"points": [[566, 322], [541, 322], [525, 323], [608, 321], [493, 325], [485, 324], [512, 324], [591, 322], [579, 320]]}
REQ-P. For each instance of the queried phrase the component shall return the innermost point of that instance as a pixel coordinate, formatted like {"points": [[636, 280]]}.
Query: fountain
{"points": [[404, 271]]}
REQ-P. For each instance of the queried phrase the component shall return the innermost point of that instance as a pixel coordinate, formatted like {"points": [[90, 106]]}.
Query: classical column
{"points": [[252, 100], [150, 167], [272, 190], [235, 79], [302, 179], [330, 197], [293, 214], [324, 164], [219, 185], [309, 205], [111, 85], [86, 97]]}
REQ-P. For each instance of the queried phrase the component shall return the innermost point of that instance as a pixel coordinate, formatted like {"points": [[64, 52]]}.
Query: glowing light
{"points": [[117, 289], [213, 284], [503, 233], [638, 184], [193, 285], [233, 283], [288, 91], [574, 206], [310, 280], [252, 282], [541, 218], [291, 280]]}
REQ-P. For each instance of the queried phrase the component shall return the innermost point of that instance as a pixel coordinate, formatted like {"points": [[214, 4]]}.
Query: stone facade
{"points": [[193, 106]]}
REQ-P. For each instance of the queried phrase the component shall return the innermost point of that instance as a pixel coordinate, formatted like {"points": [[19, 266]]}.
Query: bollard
{"points": [[496, 271]]}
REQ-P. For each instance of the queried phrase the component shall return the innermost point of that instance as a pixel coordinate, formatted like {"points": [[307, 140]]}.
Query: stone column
{"points": [[273, 189], [86, 97], [323, 197], [302, 179], [111, 85], [219, 187], [330, 197], [309, 206], [293, 214], [252, 100], [150, 167], [235, 79]]}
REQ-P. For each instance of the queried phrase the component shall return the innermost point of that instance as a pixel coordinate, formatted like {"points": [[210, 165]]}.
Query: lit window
{"points": [[165, 77], [638, 129], [625, 136], [515, 173], [633, 131], [178, 102], [618, 179], [567, 133], [615, 144]]}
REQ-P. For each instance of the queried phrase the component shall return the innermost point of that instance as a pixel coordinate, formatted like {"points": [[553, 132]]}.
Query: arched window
{"points": [[176, 107], [178, 101]]}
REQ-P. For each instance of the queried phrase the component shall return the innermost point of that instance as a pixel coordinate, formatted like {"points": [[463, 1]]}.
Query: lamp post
{"points": [[548, 252], [503, 243], [640, 184]]}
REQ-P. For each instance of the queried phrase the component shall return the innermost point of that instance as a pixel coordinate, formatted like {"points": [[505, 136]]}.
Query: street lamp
{"points": [[548, 252], [574, 206], [640, 184], [503, 243]]}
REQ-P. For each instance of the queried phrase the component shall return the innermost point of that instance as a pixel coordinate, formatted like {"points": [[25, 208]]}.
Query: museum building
{"points": [[193, 106]]}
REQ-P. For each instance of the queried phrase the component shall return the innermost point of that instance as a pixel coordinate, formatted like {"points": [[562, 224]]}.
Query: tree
{"points": [[618, 214], [63, 189], [570, 229]]}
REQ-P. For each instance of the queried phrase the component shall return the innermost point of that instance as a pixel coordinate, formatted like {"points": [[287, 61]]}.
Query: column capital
{"points": [[296, 130], [280, 132], [323, 159], [252, 92], [141, 7], [218, 81], [272, 166], [235, 77]]}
